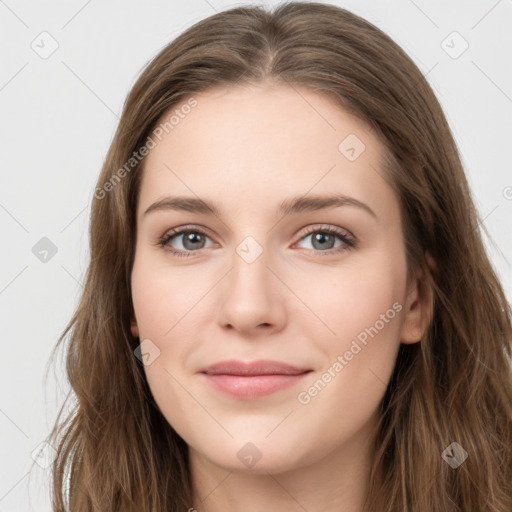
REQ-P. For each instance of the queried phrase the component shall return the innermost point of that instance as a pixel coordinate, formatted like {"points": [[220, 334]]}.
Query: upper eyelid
{"points": [[306, 231]]}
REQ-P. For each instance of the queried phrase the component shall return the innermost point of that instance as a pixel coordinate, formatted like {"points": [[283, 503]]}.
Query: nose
{"points": [[251, 298]]}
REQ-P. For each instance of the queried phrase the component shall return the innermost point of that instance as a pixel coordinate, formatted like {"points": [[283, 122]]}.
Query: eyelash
{"points": [[348, 241]]}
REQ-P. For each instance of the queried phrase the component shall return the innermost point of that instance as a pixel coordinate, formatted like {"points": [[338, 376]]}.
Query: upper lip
{"points": [[261, 367]]}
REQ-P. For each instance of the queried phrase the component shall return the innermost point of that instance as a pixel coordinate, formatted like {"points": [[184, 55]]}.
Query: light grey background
{"points": [[57, 118]]}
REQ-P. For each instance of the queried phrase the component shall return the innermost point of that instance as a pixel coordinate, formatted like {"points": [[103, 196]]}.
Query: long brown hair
{"points": [[116, 451]]}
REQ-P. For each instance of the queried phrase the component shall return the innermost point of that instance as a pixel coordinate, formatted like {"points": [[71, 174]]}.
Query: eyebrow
{"points": [[288, 207]]}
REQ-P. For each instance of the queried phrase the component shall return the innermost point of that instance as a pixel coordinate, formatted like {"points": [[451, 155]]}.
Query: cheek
{"points": [[168, 305], [365, 314], [161, 308], [357, 299], [362, 306], [161, 297]]}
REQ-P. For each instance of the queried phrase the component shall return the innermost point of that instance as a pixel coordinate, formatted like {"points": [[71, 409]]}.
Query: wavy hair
{"points": [[115, 450]]}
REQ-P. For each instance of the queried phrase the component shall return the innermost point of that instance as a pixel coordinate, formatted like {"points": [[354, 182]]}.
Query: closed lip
{"points": [[253, 368]]}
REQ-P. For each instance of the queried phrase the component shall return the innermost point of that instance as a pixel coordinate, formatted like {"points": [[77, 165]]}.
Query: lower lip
{"points": [[252, 387]]}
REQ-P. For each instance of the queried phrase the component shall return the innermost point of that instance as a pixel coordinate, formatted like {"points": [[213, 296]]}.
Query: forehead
{"points": [[266, 140], [276, 116]]}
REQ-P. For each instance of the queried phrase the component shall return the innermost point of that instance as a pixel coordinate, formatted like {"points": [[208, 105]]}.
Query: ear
{"points": [[419, 306], [134, 327]]}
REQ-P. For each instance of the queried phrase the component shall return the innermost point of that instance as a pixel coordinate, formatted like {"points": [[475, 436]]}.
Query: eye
{"points": [[324, 237], [193, 239]]}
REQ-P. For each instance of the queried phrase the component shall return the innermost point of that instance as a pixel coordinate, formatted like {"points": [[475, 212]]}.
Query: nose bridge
{"points": [[250, 296], [249, 262]]}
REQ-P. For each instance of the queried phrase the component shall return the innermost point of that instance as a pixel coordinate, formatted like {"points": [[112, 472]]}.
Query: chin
{"points": [[260, 456]]}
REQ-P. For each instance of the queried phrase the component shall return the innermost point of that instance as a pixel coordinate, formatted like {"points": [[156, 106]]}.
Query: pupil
{"points": [[320, 237], [193, 238]]}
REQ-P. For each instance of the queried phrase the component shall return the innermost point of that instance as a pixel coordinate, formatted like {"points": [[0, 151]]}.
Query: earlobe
{"points": [[418, 308], [431, 263], [134, 327]]}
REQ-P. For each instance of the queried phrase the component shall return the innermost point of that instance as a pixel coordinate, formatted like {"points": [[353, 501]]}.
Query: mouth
{"points": [[249, 381]]}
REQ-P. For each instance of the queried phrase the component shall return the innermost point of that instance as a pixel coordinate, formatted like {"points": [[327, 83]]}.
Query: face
{"points": [[302, 263]]}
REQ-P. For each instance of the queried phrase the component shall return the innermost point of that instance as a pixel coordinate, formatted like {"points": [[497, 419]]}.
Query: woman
{"points": [[289, 305]]}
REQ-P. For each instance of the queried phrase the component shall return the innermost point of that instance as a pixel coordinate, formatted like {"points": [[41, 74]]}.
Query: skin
{"points": [[246, 149]]}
